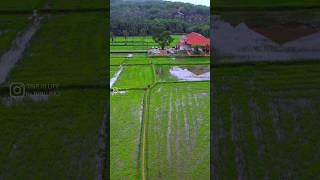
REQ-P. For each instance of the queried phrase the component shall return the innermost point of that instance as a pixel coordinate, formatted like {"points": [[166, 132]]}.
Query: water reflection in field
{"points": [[241, 36]]}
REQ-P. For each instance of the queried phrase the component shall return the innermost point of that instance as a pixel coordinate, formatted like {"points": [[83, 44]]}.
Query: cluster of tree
{"points": [[132, 17]]}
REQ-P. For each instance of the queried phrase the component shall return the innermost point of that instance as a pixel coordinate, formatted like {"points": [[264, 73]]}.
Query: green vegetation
{"points": [[116, 61], [10, 26], [53, 139], [54, 136], [177, 17], [78, 4], [188, 140], [53, 58], [138, 42], [20, 5], [53, 4], [160, 35], [266, 121], [179, 131], [137, 61], [135, 77], [125, 125]]}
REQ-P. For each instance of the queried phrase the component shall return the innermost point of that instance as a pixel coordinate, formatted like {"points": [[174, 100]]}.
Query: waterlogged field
{"points": [[178, 131], [126, 119], [266, 121]]}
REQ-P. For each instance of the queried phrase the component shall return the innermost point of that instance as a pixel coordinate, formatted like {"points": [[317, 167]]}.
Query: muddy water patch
{"points": [[190, 73]]}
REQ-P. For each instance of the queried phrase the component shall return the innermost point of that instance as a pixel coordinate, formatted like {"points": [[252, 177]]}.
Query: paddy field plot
{"points": [[125, 126], [135, 77], [59, 52], [117, 61], [54, 137], [139, 39], [266, 121], [137, 60], [138, 42], [178, 137]]}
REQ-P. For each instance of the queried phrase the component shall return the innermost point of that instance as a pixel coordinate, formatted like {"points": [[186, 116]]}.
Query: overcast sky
{"points": [[199, 2]]}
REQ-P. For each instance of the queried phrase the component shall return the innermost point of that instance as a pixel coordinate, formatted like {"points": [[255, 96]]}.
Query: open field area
{"points": [[126, 115], [265, 121], [53, 135], [178, 131], [135, 77], [137, 42], [173, 134], [67, 60]]}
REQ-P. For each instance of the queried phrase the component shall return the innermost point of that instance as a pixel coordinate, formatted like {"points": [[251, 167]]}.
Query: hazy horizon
{"points": [[197, 2]]}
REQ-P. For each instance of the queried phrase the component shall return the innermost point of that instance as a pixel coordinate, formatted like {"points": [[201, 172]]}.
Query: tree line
{"points": [[133, 18]]}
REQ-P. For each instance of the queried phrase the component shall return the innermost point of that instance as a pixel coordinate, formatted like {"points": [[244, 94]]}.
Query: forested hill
{"points": [[136, 17]]}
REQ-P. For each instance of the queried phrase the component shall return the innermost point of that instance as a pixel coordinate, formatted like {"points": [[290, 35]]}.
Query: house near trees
{"points": [[194, 44]]}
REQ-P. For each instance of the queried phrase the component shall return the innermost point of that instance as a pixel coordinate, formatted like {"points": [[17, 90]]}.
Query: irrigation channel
{"points": [[146, 105]]}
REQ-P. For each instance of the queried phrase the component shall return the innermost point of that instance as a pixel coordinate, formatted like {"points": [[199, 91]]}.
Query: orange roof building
{"points": [[193, 40]]}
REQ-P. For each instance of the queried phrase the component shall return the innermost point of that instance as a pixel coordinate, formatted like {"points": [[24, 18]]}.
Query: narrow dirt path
{"points": [[15, 53]]}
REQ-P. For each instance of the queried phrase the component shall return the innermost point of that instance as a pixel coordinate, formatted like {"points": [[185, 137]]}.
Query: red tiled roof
{"points": [[196, 39]]}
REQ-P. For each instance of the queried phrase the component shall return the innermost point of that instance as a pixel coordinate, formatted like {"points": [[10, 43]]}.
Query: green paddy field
{"points": [[265, 122], [166, 120], [54, 136]]}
